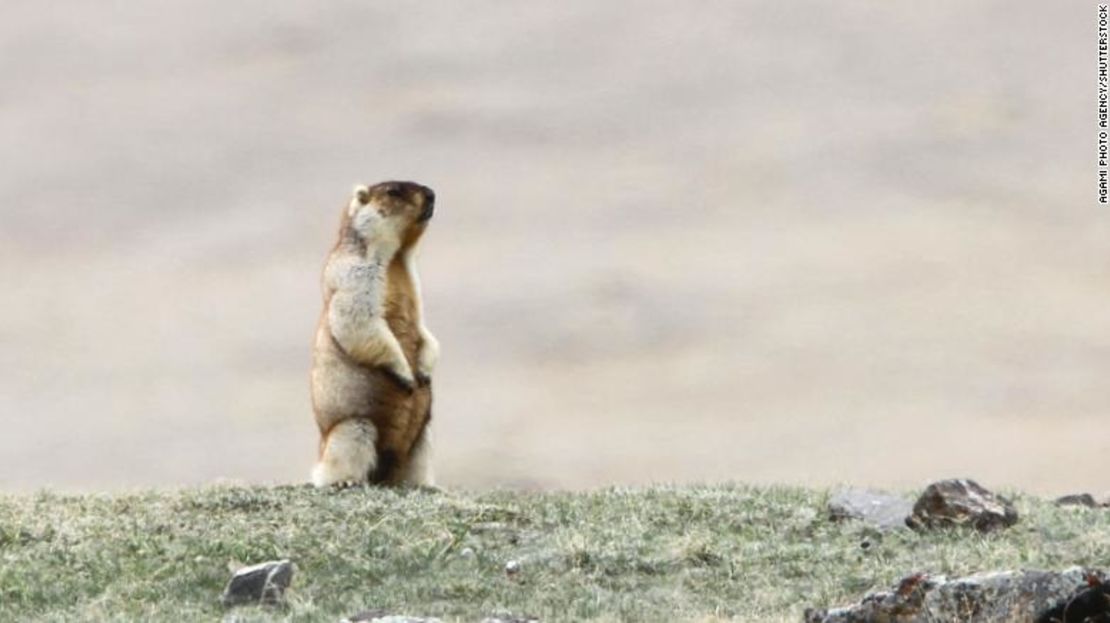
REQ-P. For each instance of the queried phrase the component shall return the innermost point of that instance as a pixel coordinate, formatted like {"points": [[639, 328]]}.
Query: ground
{"points": [[726, 552]]}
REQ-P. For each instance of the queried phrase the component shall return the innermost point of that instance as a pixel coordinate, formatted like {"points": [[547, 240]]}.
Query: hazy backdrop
{"points": [[766, 241]]}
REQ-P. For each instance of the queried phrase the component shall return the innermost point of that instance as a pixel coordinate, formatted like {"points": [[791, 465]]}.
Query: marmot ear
{"points": [[362, 193]]}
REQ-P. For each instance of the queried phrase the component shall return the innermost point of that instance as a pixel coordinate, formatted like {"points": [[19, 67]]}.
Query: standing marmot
{"points": [[373, 357]]}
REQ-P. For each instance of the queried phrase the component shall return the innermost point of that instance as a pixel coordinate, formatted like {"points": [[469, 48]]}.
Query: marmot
{"points": [[373, 357]]}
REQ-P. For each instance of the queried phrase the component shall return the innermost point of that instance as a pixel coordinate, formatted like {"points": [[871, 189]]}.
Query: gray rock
{"points": [[364, 617], [1078, 499], [1088, 604], [997, 597], [961, 502], [509, 618], [380, 616], [881, 510], [263, 583]]}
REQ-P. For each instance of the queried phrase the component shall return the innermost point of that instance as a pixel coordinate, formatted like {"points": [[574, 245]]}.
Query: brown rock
{"points": [[961, 502]]}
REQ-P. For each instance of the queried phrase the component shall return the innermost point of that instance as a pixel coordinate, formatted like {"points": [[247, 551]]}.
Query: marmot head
{"points": [[391, 213]]}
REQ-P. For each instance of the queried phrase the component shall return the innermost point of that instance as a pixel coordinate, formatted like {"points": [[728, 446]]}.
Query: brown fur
{"points": [[399, 415]]}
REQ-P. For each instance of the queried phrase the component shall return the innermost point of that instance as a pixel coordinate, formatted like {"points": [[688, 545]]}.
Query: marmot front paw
{"points": [[404, 383]]}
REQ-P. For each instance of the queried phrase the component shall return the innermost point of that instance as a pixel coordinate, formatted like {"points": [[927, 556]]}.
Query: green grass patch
{"points": [[657, 554]]}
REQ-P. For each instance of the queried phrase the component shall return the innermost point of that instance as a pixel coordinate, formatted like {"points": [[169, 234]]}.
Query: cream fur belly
{"points": [[340, 388]]}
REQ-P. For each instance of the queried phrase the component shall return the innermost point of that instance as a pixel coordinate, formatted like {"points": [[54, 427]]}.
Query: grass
{"points": [[657, 554]]}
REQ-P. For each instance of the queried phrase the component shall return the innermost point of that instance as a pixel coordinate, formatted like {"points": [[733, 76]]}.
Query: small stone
{"points": [[512, 568], [509, 618], [881, 510], [467, 553], [380, 616], [1077, 499], [961, 502], [364, 617], [262, 583]]}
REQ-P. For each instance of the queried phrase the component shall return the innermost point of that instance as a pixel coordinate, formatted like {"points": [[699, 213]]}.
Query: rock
{"points": [[1089, 604], [881, 510], [998, 597], [380, 616], [1078, 499], [364, 616], [961, 502], [509, 618], [262, 583], [512, 568]]}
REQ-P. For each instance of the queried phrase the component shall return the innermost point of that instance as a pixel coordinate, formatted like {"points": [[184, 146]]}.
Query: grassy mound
{"points": [[656, 554]]}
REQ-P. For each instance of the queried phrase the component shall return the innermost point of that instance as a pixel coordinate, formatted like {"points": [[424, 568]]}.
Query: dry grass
{"points": [[655, 554]]}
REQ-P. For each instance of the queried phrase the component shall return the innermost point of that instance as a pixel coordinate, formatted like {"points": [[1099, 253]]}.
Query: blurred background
{"points": [[807, 243]]}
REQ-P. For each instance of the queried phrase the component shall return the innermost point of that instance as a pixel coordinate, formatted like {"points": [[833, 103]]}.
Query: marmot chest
{"points": [[401, 311]]}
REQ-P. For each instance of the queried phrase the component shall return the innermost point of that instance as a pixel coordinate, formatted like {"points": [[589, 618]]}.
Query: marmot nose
{"points": [[429, 195]]}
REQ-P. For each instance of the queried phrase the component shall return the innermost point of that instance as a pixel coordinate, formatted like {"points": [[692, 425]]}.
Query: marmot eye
{"points": [[395, 191]]}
